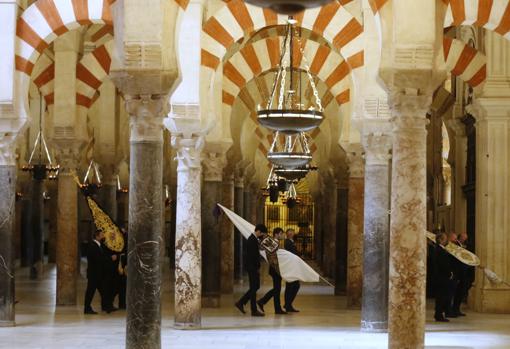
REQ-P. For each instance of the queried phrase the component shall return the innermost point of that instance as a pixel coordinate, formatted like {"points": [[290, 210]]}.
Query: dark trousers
{"points": [[442, 298], [274, 293], [93, 284], [291, 291], [460, 294], [122, 291], [251, 294], [452, 287]]}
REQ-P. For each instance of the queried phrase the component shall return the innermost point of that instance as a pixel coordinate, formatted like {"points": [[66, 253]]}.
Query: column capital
{"points": [[68, 153], [377, 149], [146, 116], [189, 152], [409, 105], [7, 151], [213, 164], [355, 161]]}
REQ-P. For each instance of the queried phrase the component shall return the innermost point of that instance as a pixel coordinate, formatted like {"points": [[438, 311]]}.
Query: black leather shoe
{"points": [[261, 306], [460, 314], [257, 313], [90, 312], [451, 315], [291, 310], [111, 310], [240, 307], [441, 319], [280, 312]]}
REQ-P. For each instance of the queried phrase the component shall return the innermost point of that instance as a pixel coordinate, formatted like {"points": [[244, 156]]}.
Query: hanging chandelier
{"points": [[41, 165], [288, 6], [295, 152], [289, 115], [92, 179]]}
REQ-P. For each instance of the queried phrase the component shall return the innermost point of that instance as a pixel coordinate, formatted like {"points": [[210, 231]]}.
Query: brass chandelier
{"points": [[288, 7]]}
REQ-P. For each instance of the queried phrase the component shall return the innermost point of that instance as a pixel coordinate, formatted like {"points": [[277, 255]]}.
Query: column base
{"points": [[7, 323], [374, 326], [187, 326], [492, 300], [211, 302]]}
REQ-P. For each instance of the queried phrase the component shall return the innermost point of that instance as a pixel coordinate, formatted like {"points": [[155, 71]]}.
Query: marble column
{"points": [[355, 200], [108, 194], [145, 220], [213, 164], [376, 237], [67, 222], [341, 231], [53, 216], [238, 239], [7, 216], [188, 233], [37, 228], [407, 269], [227, 237]]}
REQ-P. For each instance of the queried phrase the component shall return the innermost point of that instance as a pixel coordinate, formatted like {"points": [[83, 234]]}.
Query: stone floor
{"points": [[323, 323]]}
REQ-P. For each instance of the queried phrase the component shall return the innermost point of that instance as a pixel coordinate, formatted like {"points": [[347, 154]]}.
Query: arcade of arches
{"points": [[155, 102]]}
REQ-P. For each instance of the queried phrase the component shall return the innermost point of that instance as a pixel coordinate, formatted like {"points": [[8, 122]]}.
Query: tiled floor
{"points": [[323, 323]]}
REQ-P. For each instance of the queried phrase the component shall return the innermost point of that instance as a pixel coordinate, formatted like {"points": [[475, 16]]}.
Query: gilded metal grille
{"points": [[300, 218]]}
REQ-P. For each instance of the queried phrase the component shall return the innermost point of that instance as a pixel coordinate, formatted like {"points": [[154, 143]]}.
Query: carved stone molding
{"points": [[146, 117], [213, 164], [377, 149], [355, 161], [7, 151], [68, 154], [189, 151], [409, 111]]}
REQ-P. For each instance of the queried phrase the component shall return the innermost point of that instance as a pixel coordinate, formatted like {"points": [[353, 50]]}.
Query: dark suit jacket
{"points": [[252, 254], [96, 261], [443, 265], [290, 246]]}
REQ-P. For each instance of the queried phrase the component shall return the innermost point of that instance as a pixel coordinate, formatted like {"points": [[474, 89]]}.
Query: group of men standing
{"points": [[106, 273], [253, 269], [453, 278]]}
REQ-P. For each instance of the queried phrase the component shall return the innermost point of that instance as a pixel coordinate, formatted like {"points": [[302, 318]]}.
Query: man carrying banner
{"points": [[252, 267]]}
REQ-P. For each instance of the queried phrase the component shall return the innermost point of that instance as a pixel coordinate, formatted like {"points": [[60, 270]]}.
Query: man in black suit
{"points": [[252, 267], [95, 271], [291, 288], [277, 283], [444, 277]]}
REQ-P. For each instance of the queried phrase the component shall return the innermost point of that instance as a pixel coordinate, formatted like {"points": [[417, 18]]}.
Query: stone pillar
{"points": [[108, 192], [376, 237], [7, 216], [227, 237], [238, 238], [492, 206], [122, 204], [355, 226], [67, 221], [53, 216], [341, 231], [188, 240], [407, 270], [37, 228], [145, 220], [213, 163]]}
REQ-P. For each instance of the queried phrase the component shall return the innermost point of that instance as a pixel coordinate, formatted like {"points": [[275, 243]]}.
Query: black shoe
{"points": [[111, 310], [261, 306], [450, 315], [460, 314], [89, 312], [291, 310], [257, 313], [240, 307], [441, 319], [280, 312]]}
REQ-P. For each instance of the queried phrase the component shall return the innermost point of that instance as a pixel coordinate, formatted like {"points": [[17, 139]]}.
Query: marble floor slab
{"points": [[323, 323]]}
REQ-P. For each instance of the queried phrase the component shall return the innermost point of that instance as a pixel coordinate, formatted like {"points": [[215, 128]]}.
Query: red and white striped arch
{"points": [[236, 20], [465, 62], [489, 14], [40, 24], [91, 71], [44, 76], [263, 55]]}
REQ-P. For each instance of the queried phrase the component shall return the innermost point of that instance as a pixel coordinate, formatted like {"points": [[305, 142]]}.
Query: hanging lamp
{"points": [[41, 165], [296, 152], [289, 115], [288, 7]]}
